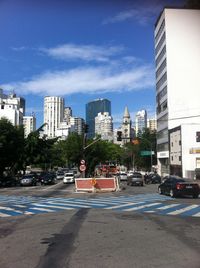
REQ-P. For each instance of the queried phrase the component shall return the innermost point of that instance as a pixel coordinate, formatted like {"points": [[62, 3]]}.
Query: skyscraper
{"points": [[104, 126], [177, 58], [12, 108], [29, 123], [53, 115], [140, 121], [92, 110]]}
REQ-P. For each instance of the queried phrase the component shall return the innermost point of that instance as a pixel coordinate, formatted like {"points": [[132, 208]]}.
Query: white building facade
{"points": [[12, 108], [177, 57], [77, 125], [104, 126], [29, 123], [140, 121], [53, 115]]}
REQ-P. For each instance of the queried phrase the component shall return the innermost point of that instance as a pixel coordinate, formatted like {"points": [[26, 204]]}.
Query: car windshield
{"points": [[69, 175]]}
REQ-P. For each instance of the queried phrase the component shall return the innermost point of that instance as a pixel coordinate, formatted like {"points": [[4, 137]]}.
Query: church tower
{"points": [[126, 126]]}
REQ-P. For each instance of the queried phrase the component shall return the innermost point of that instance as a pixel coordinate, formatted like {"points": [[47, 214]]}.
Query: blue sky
{"points": [[80, 50]]}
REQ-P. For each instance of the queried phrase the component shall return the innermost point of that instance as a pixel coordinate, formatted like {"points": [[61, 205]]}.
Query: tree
{"points": [[11, 146]]}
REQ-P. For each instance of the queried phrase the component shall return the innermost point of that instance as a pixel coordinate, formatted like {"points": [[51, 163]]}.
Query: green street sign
{"points": [[146, 153]]}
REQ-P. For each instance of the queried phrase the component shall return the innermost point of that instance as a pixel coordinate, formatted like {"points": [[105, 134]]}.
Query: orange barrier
{"points": [[96, 184]]}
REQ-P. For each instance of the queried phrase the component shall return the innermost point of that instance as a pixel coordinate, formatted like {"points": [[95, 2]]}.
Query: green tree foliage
{"points": [[11, 146], [38, 151], [192, 4], [146, 142]]}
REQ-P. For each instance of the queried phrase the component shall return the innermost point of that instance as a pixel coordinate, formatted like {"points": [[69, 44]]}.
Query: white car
{"points": [[60, 175], [69, 177], [122, 176]]}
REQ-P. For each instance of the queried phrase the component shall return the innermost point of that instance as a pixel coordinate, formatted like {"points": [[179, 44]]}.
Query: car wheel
{"points": [[171, 193], [195, 196], [142, 184], [159, 190]]}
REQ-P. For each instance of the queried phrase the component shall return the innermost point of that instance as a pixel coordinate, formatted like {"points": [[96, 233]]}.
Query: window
{"points": [[161, 81], [198, 136], [160, 31], [160, 43], [160, 56]]}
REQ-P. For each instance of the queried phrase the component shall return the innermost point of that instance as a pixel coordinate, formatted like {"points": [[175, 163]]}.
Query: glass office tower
{"points": [[92, 110]]}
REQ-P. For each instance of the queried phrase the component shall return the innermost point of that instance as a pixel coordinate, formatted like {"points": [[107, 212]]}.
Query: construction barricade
{"points": [[96, 184]]}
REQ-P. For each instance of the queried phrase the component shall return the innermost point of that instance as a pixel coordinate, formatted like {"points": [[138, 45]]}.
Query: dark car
{"points": [[177, 186], [48, 178], [154, 178], [29, 180], [135, 178], [8, 181]]}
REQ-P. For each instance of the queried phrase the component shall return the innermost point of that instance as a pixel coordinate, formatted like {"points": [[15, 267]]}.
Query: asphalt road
{"points": [[96, 237]]}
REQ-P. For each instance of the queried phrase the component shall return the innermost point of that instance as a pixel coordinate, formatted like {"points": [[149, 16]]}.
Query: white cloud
{"points": [[87, 80], [143, 15], [82, 52]]}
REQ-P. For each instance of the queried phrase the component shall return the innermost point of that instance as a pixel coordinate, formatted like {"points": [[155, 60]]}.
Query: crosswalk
{"points": [[143, 203]]}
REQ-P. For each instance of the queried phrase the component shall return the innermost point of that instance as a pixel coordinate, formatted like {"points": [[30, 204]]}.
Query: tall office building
{"points": [[12, 108], [53, 115], [126, 127], [92, 110], [29, 123], [77, 125], [152, 124], [177, 58], [67, 114], [140, 121], [104, 126]]}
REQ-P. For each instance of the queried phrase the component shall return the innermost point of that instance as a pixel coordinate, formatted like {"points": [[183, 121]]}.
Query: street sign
{"points": [[82, 168], [146, 153], [82, 162]]}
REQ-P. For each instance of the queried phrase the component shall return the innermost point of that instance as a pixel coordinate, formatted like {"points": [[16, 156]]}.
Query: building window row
{"points": [[160, 43], [161, 68], [160, 56], [161, 81], [160, 31], [161, 94], [162, 134], [163, 119], [162, 107], [162, 147]]}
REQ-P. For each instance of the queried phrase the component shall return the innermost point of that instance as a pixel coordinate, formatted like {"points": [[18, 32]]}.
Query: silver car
{"points": [[135, 179], [122, 176]]}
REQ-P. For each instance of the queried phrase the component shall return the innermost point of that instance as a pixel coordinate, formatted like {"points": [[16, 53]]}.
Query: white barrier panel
{"points": [[96, 184]]}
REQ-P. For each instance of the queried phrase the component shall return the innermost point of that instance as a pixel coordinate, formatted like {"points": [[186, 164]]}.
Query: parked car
{"points": [[135, 179], [29, 180], [122, 176], [177, 186], [69, 177], [48, 178], [60, 175], [152, 178], [8, 181]]}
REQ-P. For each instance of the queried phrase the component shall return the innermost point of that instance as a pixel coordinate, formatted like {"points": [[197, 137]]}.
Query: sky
{"points": [[80, 50]]}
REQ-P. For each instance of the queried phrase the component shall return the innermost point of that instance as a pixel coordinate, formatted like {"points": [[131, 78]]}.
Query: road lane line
{"points": [[196, 215], [168, 206], [125, 205], [4, 215], [179, 211], [52, 206], [42, 209], [141, 207]]}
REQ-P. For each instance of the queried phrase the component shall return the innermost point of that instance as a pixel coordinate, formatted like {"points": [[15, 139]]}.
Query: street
{"points": [[52, 226]]}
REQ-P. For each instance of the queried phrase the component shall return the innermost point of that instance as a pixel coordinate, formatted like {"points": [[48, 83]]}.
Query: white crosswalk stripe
{"points": [[179, 211], [147, 203]]}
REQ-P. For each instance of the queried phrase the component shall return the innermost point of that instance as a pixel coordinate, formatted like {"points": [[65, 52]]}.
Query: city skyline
{"points": [[80, 52]]}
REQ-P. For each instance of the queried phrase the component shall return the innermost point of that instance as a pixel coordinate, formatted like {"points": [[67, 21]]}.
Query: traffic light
{"points": [[86, 128], [198, 136], [119, 136]]}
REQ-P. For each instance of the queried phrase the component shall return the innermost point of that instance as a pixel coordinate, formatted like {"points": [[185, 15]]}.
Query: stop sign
{"points": [[82, 162], [82, 167]]}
